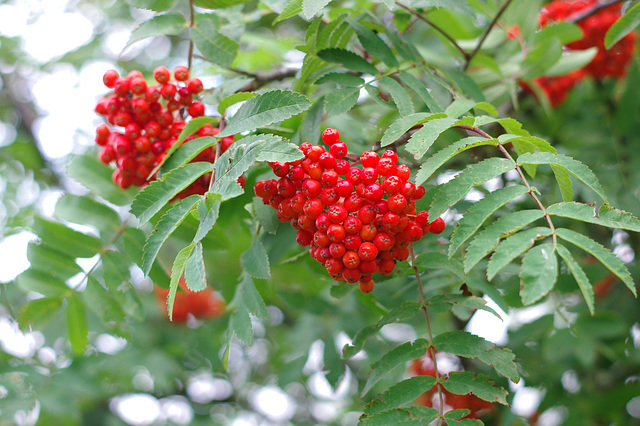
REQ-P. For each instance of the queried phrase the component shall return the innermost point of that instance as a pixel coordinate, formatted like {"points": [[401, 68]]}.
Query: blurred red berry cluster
{"points": [[357, 221], [424, 366], [606, 63], [201, 305], [144, 121]]}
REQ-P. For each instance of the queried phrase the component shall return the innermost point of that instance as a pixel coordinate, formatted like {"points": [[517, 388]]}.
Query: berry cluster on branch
{"points": [[144, 121], [357, 221], [606, 63], [425, 366]]}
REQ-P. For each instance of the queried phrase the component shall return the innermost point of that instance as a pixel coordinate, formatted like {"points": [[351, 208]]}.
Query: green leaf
{"points": [[623, 26], [347, 59], [407, 311], [400, 96], [310, 130], [265, 215], [540, 59], [86, 211], [341, 100], [487, 240], [42, 282], [448, 300], [177, 270], [408, 416], [66, 240], [374, 45], [564, 182], [158, 193], [340, 78], [564, 32], [292, 8], [240, 325], [538, 274], [170, 24], [395, 357], [404, 49], [194, 273], [434, 162], [77, 323], [581, 278], [94, 175], [46, 259], [480, 211], [402, 125], [213, 45], [255, 260], [437, 260], [459, 106], [513, 247], [466, 84], [208, 210], [38, 313], [454, 190], [421, 89], [265, 109], [311, 7], [400, 394], [249, 297], [234, 99], [218, 4], [155, 5], [423, 138], [187, 152], [610, 260], [168, 223], [574, 167], [465, 344], [479, 385], [607, 216], [571, 61]]}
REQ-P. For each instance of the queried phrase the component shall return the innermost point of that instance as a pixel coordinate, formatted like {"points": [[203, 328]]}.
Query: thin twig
{"points": [[192, 17], [486, 32], [260, 80], [417, 14], [579, 16], [523, 178], [423, 304]]}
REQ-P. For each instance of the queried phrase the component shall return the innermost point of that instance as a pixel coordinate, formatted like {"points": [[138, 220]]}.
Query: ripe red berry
{"points": [[339, 150], [437, 226], [195, 86], [330, 136], [369, 159], [161, 75], [181, 73], [139, 86], [109, 78], [366, 286], [196, 109]]}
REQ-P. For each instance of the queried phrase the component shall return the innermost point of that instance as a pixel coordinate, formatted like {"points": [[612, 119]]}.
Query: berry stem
{"points": [[192, 16], [417, 14], [485, 34], [532, 191], [423, 304], [579, 16]]}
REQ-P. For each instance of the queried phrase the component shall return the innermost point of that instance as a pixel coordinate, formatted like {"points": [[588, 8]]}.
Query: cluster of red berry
{"points": [[151, 118], [424, 366], [201, 305], [606, 63], [357, 221]]}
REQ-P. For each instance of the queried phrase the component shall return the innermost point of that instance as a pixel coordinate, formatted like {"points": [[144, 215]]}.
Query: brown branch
{"points": [[583, 14], [486, 32], [261, 79], [417, 14]]}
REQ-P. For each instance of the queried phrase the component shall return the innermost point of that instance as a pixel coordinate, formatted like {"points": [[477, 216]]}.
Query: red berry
{"points": [[369, 159], [196, 109], [437, 226], [109, 78], [195, 86], [330, 136], [161, 75], [181, 73]]}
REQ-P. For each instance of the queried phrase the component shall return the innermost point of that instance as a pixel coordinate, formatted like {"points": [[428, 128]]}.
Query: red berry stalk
{"points": [[356, 221], [144, 121]]}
